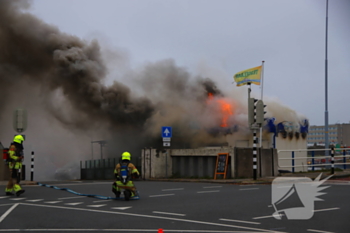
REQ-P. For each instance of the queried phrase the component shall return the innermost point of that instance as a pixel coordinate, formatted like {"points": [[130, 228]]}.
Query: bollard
{"points": [[293, 162], [32, 167], [332, 159], [254, 156], [160, 230], [313, 160]]}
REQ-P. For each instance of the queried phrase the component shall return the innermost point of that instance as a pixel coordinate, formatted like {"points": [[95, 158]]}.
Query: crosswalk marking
{"points": [[96, 206], [17, 199], [75, 203], [35, 200], [121, 208]]}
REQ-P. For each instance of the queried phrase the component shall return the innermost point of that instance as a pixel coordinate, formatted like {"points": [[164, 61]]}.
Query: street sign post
{"points": [[166, 131], [166, 135]]}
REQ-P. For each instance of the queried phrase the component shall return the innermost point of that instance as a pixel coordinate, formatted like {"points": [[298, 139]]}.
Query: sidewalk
{"points": [[266, 180], [23, 182], [248, 181]]}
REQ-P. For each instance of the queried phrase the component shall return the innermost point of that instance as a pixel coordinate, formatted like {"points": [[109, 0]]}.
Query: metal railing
{"points": [[311, 163]]}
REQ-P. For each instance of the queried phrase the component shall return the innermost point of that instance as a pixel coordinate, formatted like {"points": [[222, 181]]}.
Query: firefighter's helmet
{"points": [[126, 156], [18, 138]]}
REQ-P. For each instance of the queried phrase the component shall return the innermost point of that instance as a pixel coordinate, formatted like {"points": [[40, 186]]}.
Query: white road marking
{"points": [[209, 187], [157, 212], [6, 204], [268, 216], [35, 200], [150, 216], [96, 206], [4, 197], [74, 203], [162, 195], [17, 199], [213, 191], [122, 230], [319, 231], [172, 189], [52, 202], [246, 185], [62, 198], [233, 220], [102, 201], [8, 212], [248, 189], [336, 208], [121, 208]]}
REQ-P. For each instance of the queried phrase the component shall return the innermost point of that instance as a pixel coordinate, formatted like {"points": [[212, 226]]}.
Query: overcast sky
{"points": [[222, 37]]}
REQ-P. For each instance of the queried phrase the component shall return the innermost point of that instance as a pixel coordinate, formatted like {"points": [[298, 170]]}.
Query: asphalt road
{"points": [[170, 206]]}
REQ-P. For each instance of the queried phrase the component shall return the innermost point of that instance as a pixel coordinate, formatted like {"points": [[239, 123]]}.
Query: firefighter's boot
{"points": [[19, 192]]}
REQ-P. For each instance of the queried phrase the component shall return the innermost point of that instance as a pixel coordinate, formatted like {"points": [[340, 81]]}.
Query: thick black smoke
{"points": [[39, 53], [60, 80], [33, 50]]}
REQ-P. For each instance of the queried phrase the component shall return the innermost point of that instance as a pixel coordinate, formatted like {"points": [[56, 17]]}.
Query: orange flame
{"points": [[210, 97], [226, 109]]}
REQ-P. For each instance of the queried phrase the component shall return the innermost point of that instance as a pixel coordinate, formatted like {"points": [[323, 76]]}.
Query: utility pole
{"points": [[326, 86]]}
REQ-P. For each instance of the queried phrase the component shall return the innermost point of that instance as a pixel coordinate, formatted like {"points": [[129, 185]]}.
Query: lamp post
{"points": [[326, 85]]}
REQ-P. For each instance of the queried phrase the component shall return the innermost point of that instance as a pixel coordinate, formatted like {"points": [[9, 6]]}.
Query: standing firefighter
{"points": [[15, 163], [123, 172]]}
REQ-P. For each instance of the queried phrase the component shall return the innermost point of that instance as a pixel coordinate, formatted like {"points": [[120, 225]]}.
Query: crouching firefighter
{"points": [[123, 172], [14, 161]]}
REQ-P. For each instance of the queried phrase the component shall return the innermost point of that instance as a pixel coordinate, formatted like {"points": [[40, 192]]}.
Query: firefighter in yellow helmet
{"points": [[122, 168], [15, 157]]}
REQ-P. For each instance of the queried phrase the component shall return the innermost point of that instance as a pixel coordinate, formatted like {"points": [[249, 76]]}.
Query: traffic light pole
{"points": [[252, 125], [256, 120], [262, 88]]}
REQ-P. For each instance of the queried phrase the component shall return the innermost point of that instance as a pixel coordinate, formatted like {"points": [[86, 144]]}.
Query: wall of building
{"points": [[198, 162], [344, 134], [285, 148], [337, 134], [266, 161], [201, 162]]}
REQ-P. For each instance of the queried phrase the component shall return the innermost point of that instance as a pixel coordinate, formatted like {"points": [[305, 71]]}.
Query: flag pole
{"points": [[262, 83]]}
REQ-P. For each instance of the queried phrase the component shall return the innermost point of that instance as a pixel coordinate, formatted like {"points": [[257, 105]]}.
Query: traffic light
{"points": [[260, 112], [251, 111]]}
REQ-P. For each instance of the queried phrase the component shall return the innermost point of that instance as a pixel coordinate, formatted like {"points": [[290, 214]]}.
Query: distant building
{"points": [[337, 134]]}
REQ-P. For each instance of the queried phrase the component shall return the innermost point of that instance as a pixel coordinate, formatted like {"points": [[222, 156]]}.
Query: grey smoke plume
{"points": [[59, 79]]}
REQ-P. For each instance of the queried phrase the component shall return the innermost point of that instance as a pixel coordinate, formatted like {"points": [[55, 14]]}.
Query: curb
{"points": [[265, 181]]}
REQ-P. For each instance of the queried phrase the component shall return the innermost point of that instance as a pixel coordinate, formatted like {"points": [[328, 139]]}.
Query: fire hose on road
{"points": [[86, 195]]}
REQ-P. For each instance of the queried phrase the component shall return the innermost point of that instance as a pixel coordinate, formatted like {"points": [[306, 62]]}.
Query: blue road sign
{"points": [[166, 131]]}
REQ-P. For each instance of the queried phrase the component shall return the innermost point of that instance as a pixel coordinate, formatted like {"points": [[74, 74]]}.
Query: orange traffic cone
{"points": [[160, 230]]}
